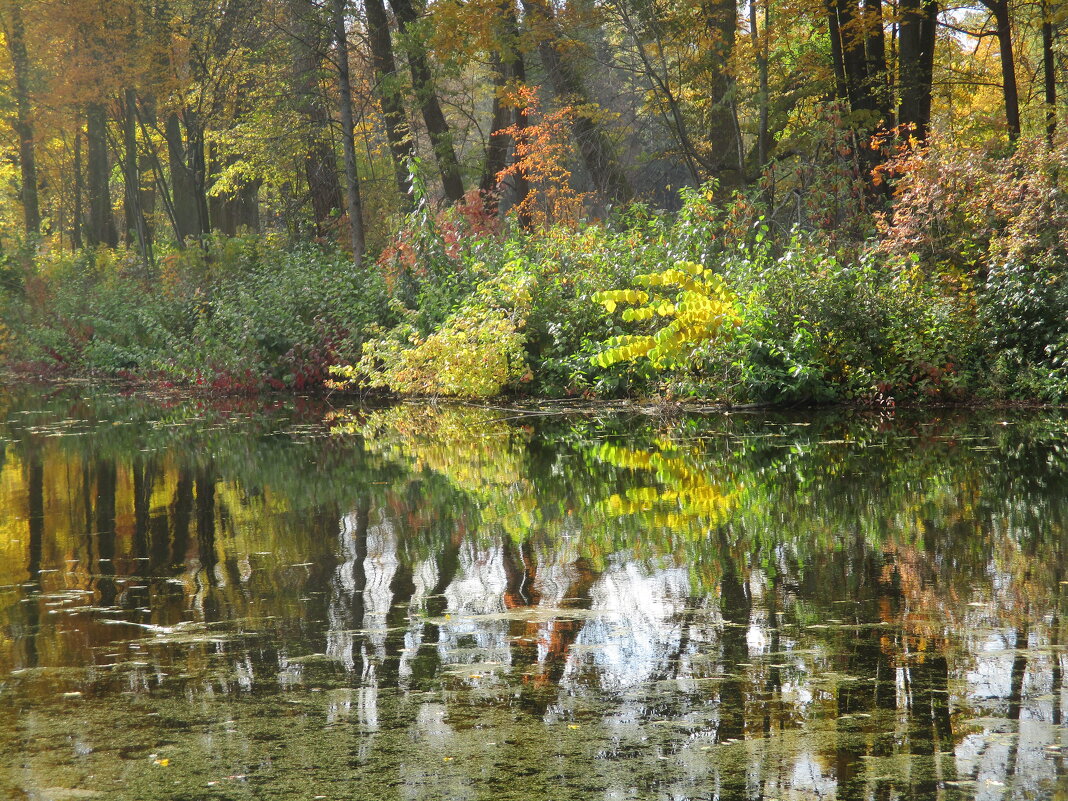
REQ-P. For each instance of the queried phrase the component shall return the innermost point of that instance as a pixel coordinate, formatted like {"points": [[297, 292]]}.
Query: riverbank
{"points": [[713, 303]]}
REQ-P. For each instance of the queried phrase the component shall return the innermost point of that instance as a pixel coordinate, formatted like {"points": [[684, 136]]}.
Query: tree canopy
{"points": [[154, 121]]}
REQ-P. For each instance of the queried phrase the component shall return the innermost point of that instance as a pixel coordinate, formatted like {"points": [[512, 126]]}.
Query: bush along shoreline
{"points": [[958, 292]]}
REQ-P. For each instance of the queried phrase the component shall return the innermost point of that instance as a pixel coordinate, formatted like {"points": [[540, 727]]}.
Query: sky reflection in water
{"points": [[438, 602]]}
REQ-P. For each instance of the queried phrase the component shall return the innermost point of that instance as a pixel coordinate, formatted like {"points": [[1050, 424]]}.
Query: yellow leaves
{"points": [[475, 354], [703, 307], [611, 297], [687, 492]]}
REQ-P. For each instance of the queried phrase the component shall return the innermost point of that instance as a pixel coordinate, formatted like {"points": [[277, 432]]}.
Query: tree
{"points": [[101, 228], [595, 146], [15, 35], [352, 183], [427, 99], [1010, 91], [1049, 71], [509, 71], [916, 46], [721, 17], [380, 41], [307, 39]]}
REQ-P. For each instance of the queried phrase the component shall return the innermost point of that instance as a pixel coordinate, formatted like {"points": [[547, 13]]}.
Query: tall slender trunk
{"points": [[875, 53], [198, 166], [79, 189], [389, 98], [916, 42], [136, 225], [236, 208], [20, 62], [146, 156], [598, 153], [348, 132], [497, 142], [841, 90], [101, 229], [721, 19], [660, 81], [188, 174], [1049, 73], [760, 43], [426, 95], [1010, 91], [233, 210], [508, 67], [320, 161], [853, 53]]}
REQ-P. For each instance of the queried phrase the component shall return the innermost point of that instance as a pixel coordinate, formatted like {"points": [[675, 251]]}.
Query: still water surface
{"points": [[456, 603]]}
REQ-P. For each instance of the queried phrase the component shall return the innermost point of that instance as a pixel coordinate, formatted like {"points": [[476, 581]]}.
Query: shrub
{"points": [[256, 314], [700, 306], [477, 353]]}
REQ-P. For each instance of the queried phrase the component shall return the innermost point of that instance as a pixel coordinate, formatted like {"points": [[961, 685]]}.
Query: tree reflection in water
{"points": [[437, 602]]}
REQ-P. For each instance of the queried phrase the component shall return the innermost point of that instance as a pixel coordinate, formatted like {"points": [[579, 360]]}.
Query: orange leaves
{"points": [[543, 149]]}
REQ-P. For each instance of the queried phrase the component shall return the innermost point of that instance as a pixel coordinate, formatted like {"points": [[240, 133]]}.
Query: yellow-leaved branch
{"points": [[700, 306]]}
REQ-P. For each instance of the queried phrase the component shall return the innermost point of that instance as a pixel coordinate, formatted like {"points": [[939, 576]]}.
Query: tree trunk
{"points": [[760, 43], [426, 95], [916, 41], [187, 212], [348, 132], [1049, 73], [1000, 10], [497, 143], [136, 225], [198, 166], [389, 98], [20, 62], [875, 53], [508, 67], [660, 81], [232, 211], [841, 90], [721, 18], [79, 188], [101, 229], [320, 161], [594, 146], [854, 55]]}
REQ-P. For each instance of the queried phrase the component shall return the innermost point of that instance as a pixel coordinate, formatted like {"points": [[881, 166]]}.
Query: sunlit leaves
{"points": [[475, 354], [702, 306]]}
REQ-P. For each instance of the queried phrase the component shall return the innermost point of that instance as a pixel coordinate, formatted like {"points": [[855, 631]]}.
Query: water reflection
{"points": [[453, 603]]}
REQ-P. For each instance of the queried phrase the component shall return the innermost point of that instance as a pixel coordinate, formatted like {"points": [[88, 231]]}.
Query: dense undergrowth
{"points": [[956, 290]]}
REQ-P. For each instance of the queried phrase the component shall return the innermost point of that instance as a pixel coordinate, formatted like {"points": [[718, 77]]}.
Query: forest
{"points": [[764, 201]]}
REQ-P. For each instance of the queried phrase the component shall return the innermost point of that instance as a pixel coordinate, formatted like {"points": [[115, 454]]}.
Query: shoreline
{"points": [[164, 389]]}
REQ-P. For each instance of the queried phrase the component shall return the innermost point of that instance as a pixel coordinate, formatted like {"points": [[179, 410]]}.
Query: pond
{"points": [[443, 602]]}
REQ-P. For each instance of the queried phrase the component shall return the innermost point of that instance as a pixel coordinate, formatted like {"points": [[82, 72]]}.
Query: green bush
{"points": [[241, 308]]}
